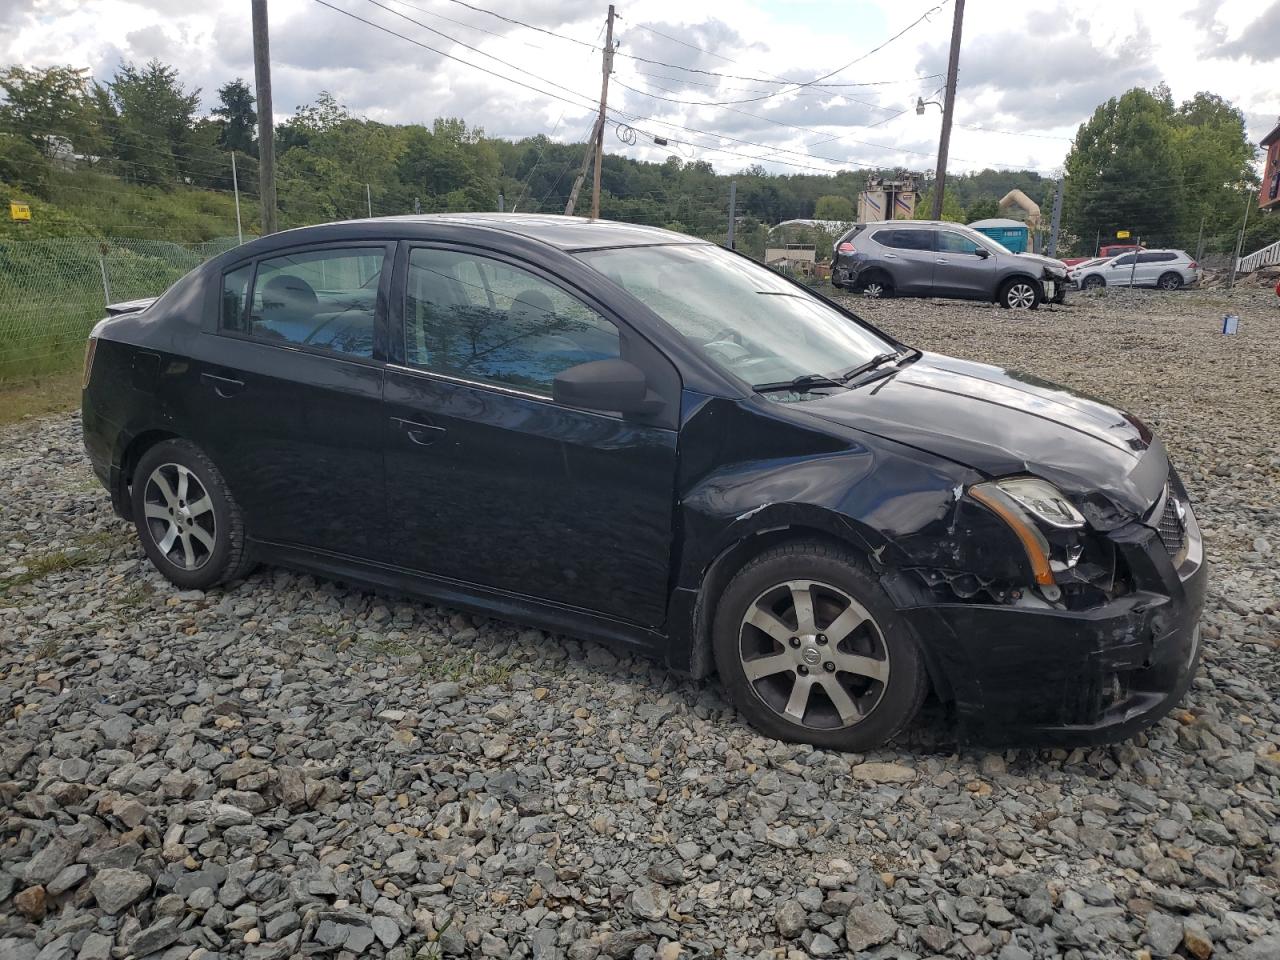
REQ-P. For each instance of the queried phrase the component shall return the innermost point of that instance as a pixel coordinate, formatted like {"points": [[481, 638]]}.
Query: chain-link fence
{"points": [[52, 291]]}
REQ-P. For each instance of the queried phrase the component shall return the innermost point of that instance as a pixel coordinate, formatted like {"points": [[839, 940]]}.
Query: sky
{"points": [[814, 86]]}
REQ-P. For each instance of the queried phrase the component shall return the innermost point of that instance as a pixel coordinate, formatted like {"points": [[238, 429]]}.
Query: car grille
{"points": [[1172, 531]]}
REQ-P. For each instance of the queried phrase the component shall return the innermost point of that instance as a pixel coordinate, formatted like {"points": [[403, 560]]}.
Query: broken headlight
{"points": [[1043, 501], [1036, 511]]}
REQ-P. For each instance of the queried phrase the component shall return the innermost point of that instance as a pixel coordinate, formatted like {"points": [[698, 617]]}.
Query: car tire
{"points": [[793, 685], [876, 286], [189, 523], [1169, 281], [1020, 294], [1093, 283]]}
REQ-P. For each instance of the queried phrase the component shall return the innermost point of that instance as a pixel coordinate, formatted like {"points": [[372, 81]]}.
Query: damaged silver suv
{"points": [[925, 258]]}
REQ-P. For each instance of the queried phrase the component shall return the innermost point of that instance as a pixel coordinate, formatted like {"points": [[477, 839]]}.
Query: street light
{"points": [[921, 103]]}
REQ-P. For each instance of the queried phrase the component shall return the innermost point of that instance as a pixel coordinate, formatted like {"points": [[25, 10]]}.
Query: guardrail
{"points": [[1268, 256]]}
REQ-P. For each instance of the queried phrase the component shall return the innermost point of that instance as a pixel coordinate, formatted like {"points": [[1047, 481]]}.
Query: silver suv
{"points": [[1166, 269], [923, 258]]}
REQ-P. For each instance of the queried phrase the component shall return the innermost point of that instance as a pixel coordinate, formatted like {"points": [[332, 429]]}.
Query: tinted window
{"points": [[235, 291], [1124, 261], [950, 242], [1156, 257], [906, 239], [321, 298], [480, 319]]}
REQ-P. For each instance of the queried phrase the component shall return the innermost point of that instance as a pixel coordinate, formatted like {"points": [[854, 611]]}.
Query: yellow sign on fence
{"points": [[19, 211], [1122, 234]]}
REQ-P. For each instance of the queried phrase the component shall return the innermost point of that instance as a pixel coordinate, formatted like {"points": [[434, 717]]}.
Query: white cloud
{"points": [[1027, 79]]}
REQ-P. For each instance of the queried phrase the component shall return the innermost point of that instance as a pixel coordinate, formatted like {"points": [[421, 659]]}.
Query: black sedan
{"points": [[623, 433]]}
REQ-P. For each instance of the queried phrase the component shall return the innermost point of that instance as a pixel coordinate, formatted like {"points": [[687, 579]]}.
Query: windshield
{"points": [[747, 319]]}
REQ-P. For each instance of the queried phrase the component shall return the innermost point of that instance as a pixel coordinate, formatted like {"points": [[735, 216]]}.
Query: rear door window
{"points": [[906, 239], [320, 299]]}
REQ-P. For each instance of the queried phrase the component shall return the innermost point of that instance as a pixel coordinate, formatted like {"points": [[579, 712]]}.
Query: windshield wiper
{"points": [[800, 384], [879, 360]]}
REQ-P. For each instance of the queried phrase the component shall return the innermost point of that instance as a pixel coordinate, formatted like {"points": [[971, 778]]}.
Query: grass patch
{"points": [[40, 397], [42, 566]]}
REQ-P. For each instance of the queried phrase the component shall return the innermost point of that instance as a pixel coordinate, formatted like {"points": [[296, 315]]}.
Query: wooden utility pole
{"points": [[596, 147], [266, 121], [948, 108], [604, 99], [1057, 218]]}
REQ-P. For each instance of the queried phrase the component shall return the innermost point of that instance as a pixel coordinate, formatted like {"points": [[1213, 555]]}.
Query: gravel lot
{"points": [[292, 768]]}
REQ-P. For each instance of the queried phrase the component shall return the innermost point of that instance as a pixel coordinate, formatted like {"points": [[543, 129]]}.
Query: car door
{"points": [[908, 256], [960, 270], [285, 394], [1122, 270], [492, 482]]}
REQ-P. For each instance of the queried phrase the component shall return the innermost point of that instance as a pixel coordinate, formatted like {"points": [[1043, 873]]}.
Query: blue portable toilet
{"points": [[1014, 234]]}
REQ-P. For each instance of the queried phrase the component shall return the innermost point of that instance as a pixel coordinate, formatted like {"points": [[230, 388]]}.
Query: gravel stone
{"points": [[288, 766]]}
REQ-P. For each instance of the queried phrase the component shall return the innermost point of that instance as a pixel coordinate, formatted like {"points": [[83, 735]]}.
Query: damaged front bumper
{"points": [[1047, 675]]}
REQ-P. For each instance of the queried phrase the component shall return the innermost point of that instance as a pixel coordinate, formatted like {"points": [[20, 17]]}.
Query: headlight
{"points": [[1023, 503], [1043, 501]]}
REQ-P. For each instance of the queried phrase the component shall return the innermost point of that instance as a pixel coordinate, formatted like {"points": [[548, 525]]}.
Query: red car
{"points": [[1107, 250]]}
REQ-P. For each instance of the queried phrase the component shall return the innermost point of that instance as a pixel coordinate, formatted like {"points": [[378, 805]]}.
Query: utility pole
{"points": [[502, 202], [733, 209], [266, 121], [1235, 260], [1200, 240], [235, 185], [582, 174], [604, 99], [1057, 219], [948, 108], [368, 199]]}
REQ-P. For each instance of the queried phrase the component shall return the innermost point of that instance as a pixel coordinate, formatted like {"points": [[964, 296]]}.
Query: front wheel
{"points": [[1020, 295], [1169, 281], [810, 649], [189, 523], [1093, 283]]}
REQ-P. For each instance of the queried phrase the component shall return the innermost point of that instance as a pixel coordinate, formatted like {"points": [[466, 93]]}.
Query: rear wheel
{"points": [[189, 523], [1169, 281], [1020, 294], [877, 286], [810, 649]]}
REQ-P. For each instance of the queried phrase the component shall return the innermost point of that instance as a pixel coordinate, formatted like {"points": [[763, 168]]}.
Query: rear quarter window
{"points": [[235, 294]]}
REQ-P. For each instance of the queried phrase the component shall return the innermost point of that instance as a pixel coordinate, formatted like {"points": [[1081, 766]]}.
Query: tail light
{"points": [[1194, 265], [845, 248], [90, 348]]}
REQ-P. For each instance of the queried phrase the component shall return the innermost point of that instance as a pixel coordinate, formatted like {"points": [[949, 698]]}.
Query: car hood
{"points": [[1056, 265], [1001, 422]]}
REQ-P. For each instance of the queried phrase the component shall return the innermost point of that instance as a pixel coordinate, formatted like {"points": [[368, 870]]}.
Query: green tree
{"points": [[1124, 170], [239, 120], [951, 209], [331, 160], [834, 208], [985, 208], [156, 119], [40, 104], [1216, 160]]}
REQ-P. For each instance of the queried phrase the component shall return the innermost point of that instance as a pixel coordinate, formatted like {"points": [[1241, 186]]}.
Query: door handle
{"points": [[224, 387], [941, 260], [422, 434], [891, 256]]}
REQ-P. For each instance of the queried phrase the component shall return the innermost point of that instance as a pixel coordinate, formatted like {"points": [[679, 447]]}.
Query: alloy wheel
{"points": [[180, 516], [1170, 282], [813, 655], [1020, 296], [874, 290]]}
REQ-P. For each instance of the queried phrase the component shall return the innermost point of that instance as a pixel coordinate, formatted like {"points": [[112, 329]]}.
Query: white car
{"points": [[1166, 269]]}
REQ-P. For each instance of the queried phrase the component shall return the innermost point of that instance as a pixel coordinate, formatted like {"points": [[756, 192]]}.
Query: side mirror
{"points": [[613, 385], [982, 253]]}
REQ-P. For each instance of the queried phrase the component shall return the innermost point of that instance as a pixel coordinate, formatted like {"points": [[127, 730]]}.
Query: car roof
{"points": [[565, 233]]}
